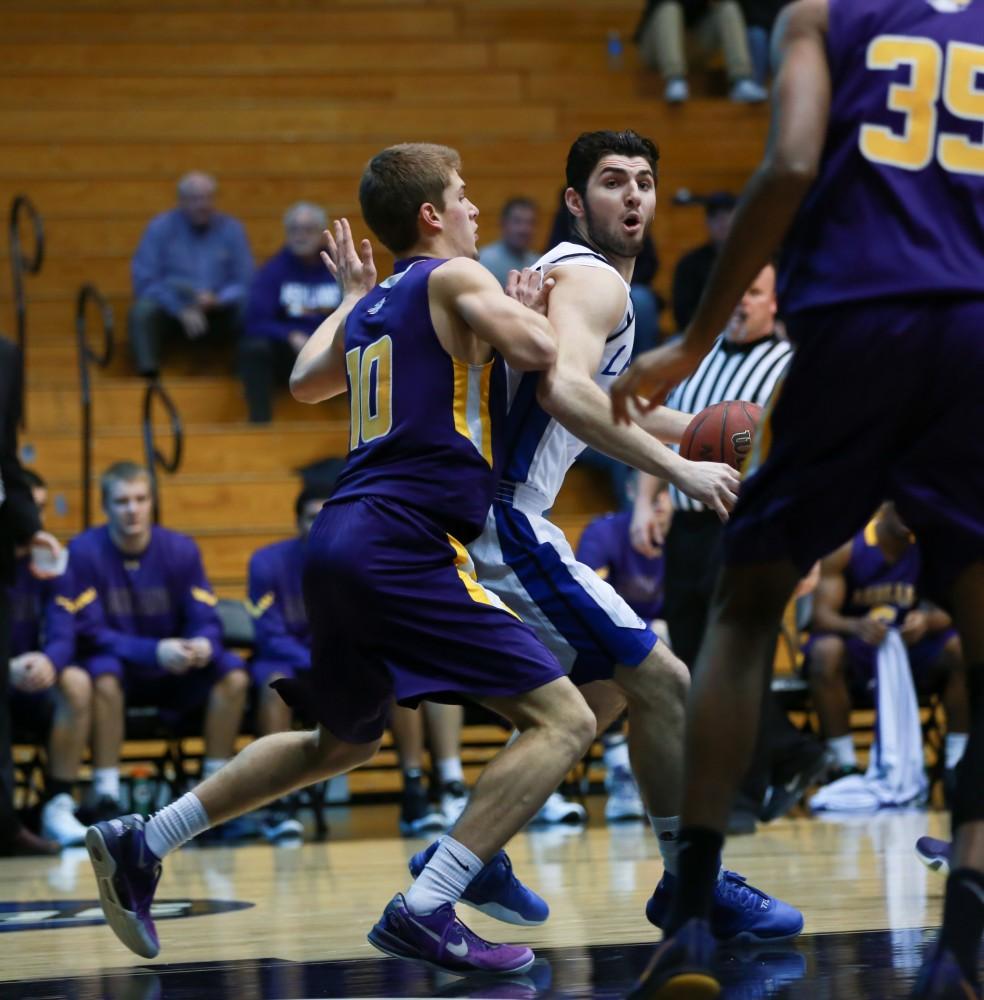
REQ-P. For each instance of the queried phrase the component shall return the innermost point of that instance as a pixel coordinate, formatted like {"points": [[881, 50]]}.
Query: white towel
{"points": [[896, 775]]}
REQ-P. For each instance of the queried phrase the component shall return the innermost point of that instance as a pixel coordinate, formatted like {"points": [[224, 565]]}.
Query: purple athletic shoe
{"points": [[941, 978], [127, 874], [740, 912], [441, 940], [934, 854], [495, 890]]}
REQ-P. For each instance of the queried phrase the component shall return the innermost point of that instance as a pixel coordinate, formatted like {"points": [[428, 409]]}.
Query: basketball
{"points": [[721, 433]]}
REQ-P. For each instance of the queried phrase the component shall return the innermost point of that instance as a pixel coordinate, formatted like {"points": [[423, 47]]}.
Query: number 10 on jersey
{"points": [[370, 377]]}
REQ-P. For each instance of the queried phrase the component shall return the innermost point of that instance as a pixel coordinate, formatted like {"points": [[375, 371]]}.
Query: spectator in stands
{"points": [[514, 250], [288, 298], [49, 697], [20, 525], [694, 268], [606, 547], [760, 16], [283, 651], [718, 24], [147, 631], [190, 275], [867, 586]]}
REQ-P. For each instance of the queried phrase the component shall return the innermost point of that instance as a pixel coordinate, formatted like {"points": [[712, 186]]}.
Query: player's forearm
{"points": [[763, 216], [663, 423], [826, 620], [583, 408], [319, 370]]}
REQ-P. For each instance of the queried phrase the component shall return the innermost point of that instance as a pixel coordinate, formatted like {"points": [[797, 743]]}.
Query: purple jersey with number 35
{"points": [[901, 182]]}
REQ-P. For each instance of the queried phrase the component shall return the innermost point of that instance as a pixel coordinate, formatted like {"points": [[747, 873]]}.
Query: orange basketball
{"points": [[721, 433]]}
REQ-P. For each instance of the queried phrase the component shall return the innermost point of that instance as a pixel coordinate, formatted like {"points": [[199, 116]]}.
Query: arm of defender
{"points": [[800, 112], [585, 305], [319, 371], [525, 338]]}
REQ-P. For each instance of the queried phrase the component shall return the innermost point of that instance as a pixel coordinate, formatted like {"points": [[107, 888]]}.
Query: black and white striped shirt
{"points": [[729, 371]]}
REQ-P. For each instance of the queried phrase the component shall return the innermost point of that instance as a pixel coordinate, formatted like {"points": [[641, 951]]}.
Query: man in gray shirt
{"points": [[190, 274], [515, 250]]}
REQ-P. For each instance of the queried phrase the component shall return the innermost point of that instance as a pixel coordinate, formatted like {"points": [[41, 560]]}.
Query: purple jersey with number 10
{"points": [[901, 184], [424, 426]]}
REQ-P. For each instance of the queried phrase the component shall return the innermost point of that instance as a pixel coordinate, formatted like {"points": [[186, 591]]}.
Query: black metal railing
{"points": [[20, 264], [155, 458], [87, 356]]}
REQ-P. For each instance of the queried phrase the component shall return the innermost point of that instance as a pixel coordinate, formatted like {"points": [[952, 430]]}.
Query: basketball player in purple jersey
{"points": [[394, 606], [874, 176]]}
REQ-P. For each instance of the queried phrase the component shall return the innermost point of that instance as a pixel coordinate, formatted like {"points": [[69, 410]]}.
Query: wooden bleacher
{"points": [[105, 103]]}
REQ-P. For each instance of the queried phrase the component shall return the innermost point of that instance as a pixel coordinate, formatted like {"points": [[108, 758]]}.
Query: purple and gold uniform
{"points": [[605, 546], [276, 602], [394, 606], [39, 622], [125, 604], [881, 287], [887, 591]]}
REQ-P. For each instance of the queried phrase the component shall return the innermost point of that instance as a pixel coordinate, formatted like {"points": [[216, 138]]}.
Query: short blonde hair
{"points": [[396, 182]]}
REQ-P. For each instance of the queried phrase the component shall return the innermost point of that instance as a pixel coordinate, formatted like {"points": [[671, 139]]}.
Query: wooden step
{"points": [[153, 25], [210, 449], [202, 400]]}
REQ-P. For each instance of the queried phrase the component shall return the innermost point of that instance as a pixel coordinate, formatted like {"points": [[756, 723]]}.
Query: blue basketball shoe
{"points": [[740, 911], [127, 873], [681, 967], [495, 891], [934, 853], [941, 978], [442, 941]]}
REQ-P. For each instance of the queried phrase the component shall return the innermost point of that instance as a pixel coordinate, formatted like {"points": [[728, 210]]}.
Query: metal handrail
{"points": [[21, 264], [86, 356], [154, 457]]}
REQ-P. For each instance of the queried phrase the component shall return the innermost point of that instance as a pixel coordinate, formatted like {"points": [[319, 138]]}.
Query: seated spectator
{"points": [[718, 24], [606, 546], [190, 275], [760, 16], [147, 631], [288, 298], [514, 250], [283, 639], [283, 652], [694, 268], [47, 693], [867, 587]]}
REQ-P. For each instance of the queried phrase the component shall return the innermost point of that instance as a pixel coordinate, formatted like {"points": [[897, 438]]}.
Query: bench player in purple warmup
{"points": [[874, 178], [393, 606]]}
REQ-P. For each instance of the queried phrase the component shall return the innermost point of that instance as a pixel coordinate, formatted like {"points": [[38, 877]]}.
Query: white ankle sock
{"points": [[449, 769], [176, 824], [667, 830], [953, 749], [106, 782], [842, 747], [445, 878]]}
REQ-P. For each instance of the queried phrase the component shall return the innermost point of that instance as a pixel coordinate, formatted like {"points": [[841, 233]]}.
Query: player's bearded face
{"points": [[619, 206]]}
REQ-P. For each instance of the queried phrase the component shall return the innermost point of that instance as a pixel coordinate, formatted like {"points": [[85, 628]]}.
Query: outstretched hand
{"points": [[354, 269], [648, 380], [529, 287]]}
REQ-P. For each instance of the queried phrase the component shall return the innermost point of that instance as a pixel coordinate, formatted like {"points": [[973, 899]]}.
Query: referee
{"points": [[745, 363]]}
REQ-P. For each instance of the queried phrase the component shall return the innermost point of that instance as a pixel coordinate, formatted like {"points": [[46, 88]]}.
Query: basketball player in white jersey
{"points": [[527, 561]]}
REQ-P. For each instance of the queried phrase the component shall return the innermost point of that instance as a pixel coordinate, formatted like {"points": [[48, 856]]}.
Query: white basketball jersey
{"points": [[539, 451]]}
